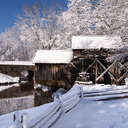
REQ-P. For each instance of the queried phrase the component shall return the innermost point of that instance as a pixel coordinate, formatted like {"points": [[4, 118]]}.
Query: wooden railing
{"points": [[63, 103]]}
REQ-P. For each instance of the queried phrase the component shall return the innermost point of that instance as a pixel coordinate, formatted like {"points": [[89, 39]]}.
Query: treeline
{"points": [[41, 27]]}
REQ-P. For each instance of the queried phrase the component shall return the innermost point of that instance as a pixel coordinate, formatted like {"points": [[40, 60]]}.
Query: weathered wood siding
{"points": [[77, 52], [105, 52], [49, 72], [52, 75], [91, 61]]}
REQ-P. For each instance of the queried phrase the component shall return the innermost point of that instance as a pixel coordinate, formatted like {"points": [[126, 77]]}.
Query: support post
{"points": [[96, 73], [106, 70], [90, 66]]}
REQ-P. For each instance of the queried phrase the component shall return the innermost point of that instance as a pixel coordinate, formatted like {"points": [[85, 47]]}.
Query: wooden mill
{"points": [[98, 57], [50, 67]]}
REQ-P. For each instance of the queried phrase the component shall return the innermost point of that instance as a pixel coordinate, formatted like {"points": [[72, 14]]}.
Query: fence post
{"points": [[16, 121], [81, 92], [24, 120]]}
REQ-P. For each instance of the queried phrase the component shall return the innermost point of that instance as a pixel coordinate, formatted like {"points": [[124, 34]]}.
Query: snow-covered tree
{"points": [[41, 27], [12, 48], [38, 27], [99, 17]]}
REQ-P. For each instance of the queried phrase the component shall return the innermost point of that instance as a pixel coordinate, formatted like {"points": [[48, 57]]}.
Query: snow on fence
{"points": [[65, 102], [46, 118], [106, 92], [70, 99]]}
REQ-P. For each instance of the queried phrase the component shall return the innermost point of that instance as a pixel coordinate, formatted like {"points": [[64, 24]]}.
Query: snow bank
{"points": [[96, 42], [7, 120], [45, 115], [111, 113], [53, 56], [102, 88], [2, 88], [96, 114], [70, 99], [8, 79]]}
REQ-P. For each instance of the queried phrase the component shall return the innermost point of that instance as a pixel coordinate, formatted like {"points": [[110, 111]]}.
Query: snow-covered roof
{"points": [[18, 63], [53, 56], [95, 42]]}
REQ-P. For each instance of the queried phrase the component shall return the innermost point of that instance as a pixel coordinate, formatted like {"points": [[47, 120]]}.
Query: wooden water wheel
{"points": [[99, 69]]}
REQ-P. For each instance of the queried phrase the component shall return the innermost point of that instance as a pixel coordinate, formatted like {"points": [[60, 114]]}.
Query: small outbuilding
{"points": [[50, 66]]}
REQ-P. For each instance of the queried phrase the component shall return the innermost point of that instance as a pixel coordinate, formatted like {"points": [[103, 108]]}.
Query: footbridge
{"points": [[14, 68]]}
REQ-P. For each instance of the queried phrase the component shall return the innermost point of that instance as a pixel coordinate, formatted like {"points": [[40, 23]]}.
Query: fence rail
{"points": [[65, 102], [62, 104]]}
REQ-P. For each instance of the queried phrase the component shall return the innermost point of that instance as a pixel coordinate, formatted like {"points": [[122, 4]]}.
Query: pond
{"points": [[14, 97]]}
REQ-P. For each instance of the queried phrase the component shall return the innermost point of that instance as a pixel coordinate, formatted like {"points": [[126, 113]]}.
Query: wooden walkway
{"points": [[14, 68]]}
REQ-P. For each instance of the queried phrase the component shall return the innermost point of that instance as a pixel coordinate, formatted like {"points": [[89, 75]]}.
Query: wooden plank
{"points": [[90, 66], [84, 83], [53, 72], [96, 72], [74, 66], [125, 67], [44, 72], [107, 97], [82, 65], [106, 70], [49, 75], [111, 92], [122, 77]]}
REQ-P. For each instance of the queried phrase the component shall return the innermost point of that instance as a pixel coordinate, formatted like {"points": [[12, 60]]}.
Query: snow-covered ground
{"points": [[96, 114], [7, 120], [87, 113], [102, 88], [2, 88], [90, 113], [7, 79]]}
